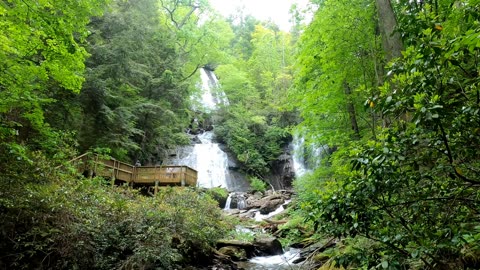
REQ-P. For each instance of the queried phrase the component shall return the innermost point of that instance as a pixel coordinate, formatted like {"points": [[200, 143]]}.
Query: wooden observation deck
{"points": [[162, 175]]}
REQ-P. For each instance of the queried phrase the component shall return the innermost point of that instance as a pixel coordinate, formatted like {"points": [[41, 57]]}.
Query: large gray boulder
{"points": [[267, 246], [249, 248], [234, 252], [257, 202], [270, 205]]}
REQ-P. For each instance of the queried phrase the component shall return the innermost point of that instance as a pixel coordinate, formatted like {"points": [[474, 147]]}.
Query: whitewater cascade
{"points": [[211, 96], [206, 156], [298, 157], [306, 157]]}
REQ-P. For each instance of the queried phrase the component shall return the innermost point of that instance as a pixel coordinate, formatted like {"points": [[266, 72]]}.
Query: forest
{"points": [[390, 89]]}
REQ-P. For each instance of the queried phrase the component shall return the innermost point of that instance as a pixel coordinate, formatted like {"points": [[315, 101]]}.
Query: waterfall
{"points": [[299, 164], [211, 96], [241, 204], [206, 156], [229, 201], [306, 157]]}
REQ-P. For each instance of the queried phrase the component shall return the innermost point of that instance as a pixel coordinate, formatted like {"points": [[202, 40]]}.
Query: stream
{"points": [[215, 170], [278, 262]]}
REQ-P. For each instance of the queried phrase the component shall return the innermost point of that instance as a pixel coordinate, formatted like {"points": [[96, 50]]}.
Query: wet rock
{"points": [[267, 246], [255, 202], [249, 248], [299, 260], [233, 212], [237, 200], [270, 205], [221, 262], [282, 172], [235, 253], [209, 128], [195, 140], [250, 214]]}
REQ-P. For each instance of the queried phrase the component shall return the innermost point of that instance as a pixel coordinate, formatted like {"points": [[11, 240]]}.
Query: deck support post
{"points": [[113, 174], [156, 188]]}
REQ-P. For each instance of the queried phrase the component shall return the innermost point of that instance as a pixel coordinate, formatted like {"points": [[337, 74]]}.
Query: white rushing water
{"points": [[210, 161], [299, 163], [207, 159], [277, 262], [280, 209], [306, 157], [228, 202], [211, 96]]}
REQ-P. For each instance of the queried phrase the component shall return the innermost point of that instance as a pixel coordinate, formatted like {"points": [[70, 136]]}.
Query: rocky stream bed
{"points": [[263, 249]]}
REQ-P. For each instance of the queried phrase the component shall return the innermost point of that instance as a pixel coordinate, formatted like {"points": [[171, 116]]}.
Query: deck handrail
{"points": [[153, 174]]}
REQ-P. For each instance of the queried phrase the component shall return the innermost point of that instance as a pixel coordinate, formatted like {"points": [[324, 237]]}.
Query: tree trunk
{"points": [[351, 111], [392, 43]]}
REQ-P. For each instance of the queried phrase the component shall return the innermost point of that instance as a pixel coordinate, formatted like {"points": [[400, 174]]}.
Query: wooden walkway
{"points": [[162, 175]]}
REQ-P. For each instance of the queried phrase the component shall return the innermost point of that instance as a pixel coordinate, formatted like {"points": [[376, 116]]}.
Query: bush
{"points": [[66, 223], [257, 184]]}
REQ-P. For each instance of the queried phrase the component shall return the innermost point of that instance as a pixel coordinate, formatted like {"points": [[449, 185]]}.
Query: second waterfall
{"points": [[206, 155]]}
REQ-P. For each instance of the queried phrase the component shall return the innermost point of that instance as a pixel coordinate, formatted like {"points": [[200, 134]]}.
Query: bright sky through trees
{"points": [[277, 10]]}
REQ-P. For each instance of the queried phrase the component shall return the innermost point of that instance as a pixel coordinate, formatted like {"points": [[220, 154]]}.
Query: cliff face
{"points": [[282, 172]]}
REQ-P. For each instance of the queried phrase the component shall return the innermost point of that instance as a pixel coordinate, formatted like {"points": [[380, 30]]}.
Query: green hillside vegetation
{"points": [[391, 87], [402, 188]]}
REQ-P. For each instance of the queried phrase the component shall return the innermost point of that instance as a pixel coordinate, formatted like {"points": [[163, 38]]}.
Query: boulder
{"points": [[195, 140], [267, 246], [249, 248], [255, 202], [270, 205], [247, 215], [235, 253]]}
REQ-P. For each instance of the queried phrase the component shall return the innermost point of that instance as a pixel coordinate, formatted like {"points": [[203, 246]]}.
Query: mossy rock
{"points": [[235, 253], [218, 194], [321, 257]]}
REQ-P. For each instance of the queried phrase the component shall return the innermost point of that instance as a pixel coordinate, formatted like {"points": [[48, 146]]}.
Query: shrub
{"points": [[66, 223], [257, 184]]}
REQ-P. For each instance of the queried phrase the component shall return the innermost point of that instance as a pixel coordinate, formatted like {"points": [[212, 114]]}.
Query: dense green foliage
{"points": [[42, 59], [57, 223], [113, 76], [134, 99], [406, 190], [255, 124], [399, 185]]}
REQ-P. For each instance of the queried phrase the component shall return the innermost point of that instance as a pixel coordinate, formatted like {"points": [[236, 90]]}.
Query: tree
{"points": [[392, 43], [410, 194], [135, 97], [336, 69], [41, 60]]}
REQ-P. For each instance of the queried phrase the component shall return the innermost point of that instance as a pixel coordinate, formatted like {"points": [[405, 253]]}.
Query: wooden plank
{"points": [[111, 168]]}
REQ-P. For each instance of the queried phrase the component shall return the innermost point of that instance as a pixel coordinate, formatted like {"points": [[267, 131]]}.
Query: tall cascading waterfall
{"points": [[306, 157], [299, 163], [206, 156]]}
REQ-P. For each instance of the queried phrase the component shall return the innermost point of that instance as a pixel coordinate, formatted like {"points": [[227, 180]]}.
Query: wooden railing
{"points": [[162, 175]]}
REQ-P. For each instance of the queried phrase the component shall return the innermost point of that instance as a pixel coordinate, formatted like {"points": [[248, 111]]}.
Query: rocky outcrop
{"points": [[245, 205], [269, 203], [282, 172], [240, 250], [232, 245], [267, 246], [235, 253]]}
